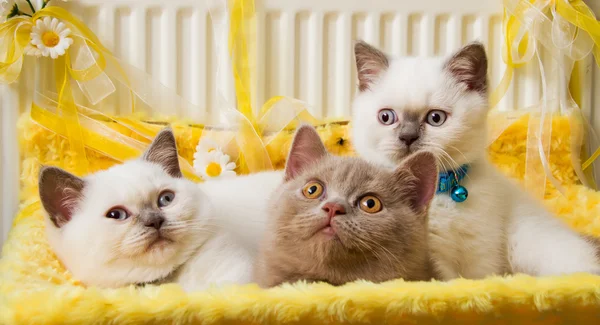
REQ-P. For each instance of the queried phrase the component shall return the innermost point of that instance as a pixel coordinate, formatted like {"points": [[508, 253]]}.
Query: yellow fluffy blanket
{"points": [[36, 289]]}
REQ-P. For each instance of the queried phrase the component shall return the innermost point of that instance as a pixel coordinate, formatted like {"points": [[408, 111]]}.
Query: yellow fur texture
{"points": [[36, 289]]}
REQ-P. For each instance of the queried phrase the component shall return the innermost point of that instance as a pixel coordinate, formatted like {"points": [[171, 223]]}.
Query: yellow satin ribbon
{"points": [[88, 128], [99, 137], [82, 127], [253, 155], [519, 41], [576, 12], [64, 72], [14, 34], [579, 14]]}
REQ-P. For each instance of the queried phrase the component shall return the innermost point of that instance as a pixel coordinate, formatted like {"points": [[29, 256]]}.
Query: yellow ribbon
{"points": [[64, 72], [14, 34], [579, 14], [83, 127], [99, 137], [88, 128], [276, 114], [573, 32], [575, 12]]}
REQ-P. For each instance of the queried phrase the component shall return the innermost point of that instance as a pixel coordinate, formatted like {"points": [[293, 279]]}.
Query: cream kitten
{"points": [[240, 204], [139, 222], [440, 105], [340, 219]]}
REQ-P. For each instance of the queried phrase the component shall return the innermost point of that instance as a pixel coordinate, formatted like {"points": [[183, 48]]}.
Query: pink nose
{"points": [[333, 209]]}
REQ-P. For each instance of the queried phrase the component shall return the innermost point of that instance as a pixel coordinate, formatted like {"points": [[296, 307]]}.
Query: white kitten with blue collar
{"points": [[441, 105]]}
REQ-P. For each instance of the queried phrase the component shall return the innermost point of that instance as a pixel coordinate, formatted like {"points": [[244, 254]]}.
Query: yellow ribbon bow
{"points": [[277, 114], [93, 68], [570, 32]]}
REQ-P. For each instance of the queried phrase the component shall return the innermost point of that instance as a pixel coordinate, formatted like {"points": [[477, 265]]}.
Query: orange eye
{"points": [[312, 190], [370, 204]]}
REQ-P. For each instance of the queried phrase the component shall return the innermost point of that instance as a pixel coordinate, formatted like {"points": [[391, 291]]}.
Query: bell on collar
{"points": [[459, 193]]}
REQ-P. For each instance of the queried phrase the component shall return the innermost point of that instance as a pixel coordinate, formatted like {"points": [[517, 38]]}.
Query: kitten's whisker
{"points": [[442, 154], [364, 245], [465, 157], [189, 229], [368, 240], [460, 152], [387, 253], [440, 161]]}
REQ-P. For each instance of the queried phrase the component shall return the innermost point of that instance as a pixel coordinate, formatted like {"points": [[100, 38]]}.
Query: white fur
{"points": [[238, 207], [220, 261], [241, 202], [223, 222], [105, 252], [499, 228]]}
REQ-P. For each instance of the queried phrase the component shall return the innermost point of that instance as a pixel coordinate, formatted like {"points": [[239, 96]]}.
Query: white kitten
{"points": [[139, 222], [440, 105], [238, 207], [240, 204]]}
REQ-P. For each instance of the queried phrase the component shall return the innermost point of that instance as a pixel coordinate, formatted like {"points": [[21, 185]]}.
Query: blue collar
{"points": [[450, 179]]}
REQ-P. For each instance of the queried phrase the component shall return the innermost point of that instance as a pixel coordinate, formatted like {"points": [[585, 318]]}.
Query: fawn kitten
{"points": [[340, 219], [409, 105]]}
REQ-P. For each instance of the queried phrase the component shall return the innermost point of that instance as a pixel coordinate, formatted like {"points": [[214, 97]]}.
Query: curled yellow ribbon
{"points": [[98, 136], [86, 128], [276, 114], [64, 72], [14, 36], [83, 127], [568, 29]]}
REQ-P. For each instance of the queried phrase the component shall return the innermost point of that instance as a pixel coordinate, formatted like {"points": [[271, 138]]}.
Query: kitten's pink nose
{"points": [[409, 138], [334, 209]]}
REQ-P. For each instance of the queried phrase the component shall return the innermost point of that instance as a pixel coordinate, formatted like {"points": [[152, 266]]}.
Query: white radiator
{"points": [[304, 51]]}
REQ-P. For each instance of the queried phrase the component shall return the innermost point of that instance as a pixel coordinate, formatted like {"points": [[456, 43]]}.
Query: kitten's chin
{"points": [[398, 156], [329, 235], [159, 243], [156, 249]]}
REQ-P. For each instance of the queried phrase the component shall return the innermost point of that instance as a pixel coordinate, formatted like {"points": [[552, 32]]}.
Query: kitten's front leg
{"points": [[543, 245]]}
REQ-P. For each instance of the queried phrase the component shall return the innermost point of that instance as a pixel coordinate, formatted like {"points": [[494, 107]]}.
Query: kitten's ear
{"points": [[307, 148], [370, 63], [469, 66], [60, 192], [422, 165], [163, 151]]}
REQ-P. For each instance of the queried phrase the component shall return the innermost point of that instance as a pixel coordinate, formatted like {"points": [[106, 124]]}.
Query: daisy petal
{"points": [[224, 159], [54, 24]]}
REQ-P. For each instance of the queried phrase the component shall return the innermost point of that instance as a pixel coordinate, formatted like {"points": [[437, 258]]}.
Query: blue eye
{"points": [[117, 213], [436, 117], [165, 198], [387, 116]]}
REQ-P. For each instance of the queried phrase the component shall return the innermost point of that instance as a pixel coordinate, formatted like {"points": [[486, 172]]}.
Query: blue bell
{"points": [[459, 193]]}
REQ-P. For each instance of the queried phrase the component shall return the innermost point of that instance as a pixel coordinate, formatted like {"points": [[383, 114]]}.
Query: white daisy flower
{"points": [[215, 165], [51, 37], [205, 146]]}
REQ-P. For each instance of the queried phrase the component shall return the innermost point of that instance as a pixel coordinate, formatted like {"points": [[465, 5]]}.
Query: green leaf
{"points": [[14, 11]]}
